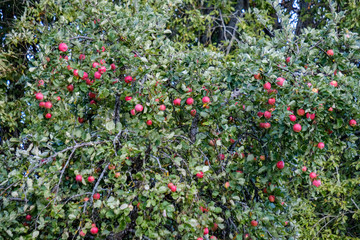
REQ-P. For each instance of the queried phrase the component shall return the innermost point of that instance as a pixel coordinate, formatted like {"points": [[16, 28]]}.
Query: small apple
{"points": [[111, 167], [117, 174], [267, 125], [132, 112], [280, 81], [177, 102], [257, 76], [39, 96], [76, 73], [173, 188], [41, 104], [215, 227], [271, 101], [58, 98], [213, 238], [70, 88], [205, 99], [199, 238], [254, 223], [162, 107], [128, 98], [221, 156], [312, 175], [48, 105], [82, 57], [149, 122], [28, 217], [189, 90], [128, 79], [82, 233], [91, 179], [86, 199], [260, 114], [95, 64], [139, 107], [102, 69], [352, 123], [288, 59], [189, 101], [317, 183], [63, 47], [330, 109], [78, 178], [96, 196], [113, 66], [304, 168], [94, 230], [227, 185], [206, 231], [200, 175], [301, 112], [262, 157], [48, 115], [267, 114], [280, 164], [193, 112], [272, 198], [297, 127], [321, 145], [334, 83], [92, 95], [330, 52], [267, 86], [292, 118], [170, 185], [97, 75]]}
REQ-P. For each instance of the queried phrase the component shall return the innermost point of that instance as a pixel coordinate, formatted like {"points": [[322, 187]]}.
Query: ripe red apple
{"points": [[321, 145], [267, 86], [200, 175], [304, 168], [205, 99], [310, 115], [280, 164], [162, 107], [149, 122], [312, 175], [193, 112], [260, 114], [301, 112], [70, 88], [352, 123], [330, 52], [215, 227], [288, 59], [82, 233], [170, 185], [94, 230], [80, 120], [199, 238], [213, 238], [330, 109], [267, 114], [39, 96], [58, 98], [92, 102], [262, 157], [102, 61], [227, 185], [271, 101], [48, 115], [86, 199], [267, 125], [78, 178], [28, 217], [189, 90], [206, 231], [96, 196], [102, 69], [297, 127], [189, 101], [334, 83], [85, 76], [97, 75], [173, 188], [95, 64], [111, 167], [221, 156], [177, 102], [82, 57], [139, 107], [132, 112], [254, 223], [48, 105], [232, 141], [128, 79], [257, 76], [41, 104], [117, 174], [91, 179], [317, 183], [113, 66], [91, 95], [280, 81], [63, 47], [128, 98], [272, 198], [76, 73], [292, 118], [69, 67]]}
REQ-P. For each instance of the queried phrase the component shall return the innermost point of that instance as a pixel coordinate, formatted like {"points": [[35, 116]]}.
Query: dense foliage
{"points": [[122, 126]]}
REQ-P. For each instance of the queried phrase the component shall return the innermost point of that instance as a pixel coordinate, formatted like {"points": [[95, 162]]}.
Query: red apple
{"points": [[80, 120], [97, 75], [267, 85], [297, 127], [301, 112], [352, 123], [91, 95], [221, 156], [304, 168], [132, 112], [330, 109], [257, 76], [39, 96], [139, 107], [58, 98], [272, 198], [162, 107], [280, 164], [70, 88], [92, 102], [82, 57], [260, 114], [271, 101], [95, 64], [330, 52], [189, 101], [91, 179], [48, 105], [200, 175], [227, 185], [205, 99], [94, 230], [41, 104], [189, 90], [149, 122], [312, 175], [177, 102], [63, 47], [254, 223], [102, 61], [321, 145], [102, 69], [128, 98], [262, 157], [213, 238], [82, 233], [199, 238], [85, 76], [193, 112], [69, 67], [96, 196], [28, 217], [215, 227], [292, 118], [170, 185], [173, 188], [206, 231], [334, 83], [128, 79], [76, 73], [267, 125], [267, 114], [113, 66], [317, 183], [288, 59], [48, 115], [117, 174], [78, 178], [280, 81]]}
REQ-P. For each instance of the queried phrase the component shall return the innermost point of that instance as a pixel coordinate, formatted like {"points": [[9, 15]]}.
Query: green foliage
{"points": [[133, 163]]}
